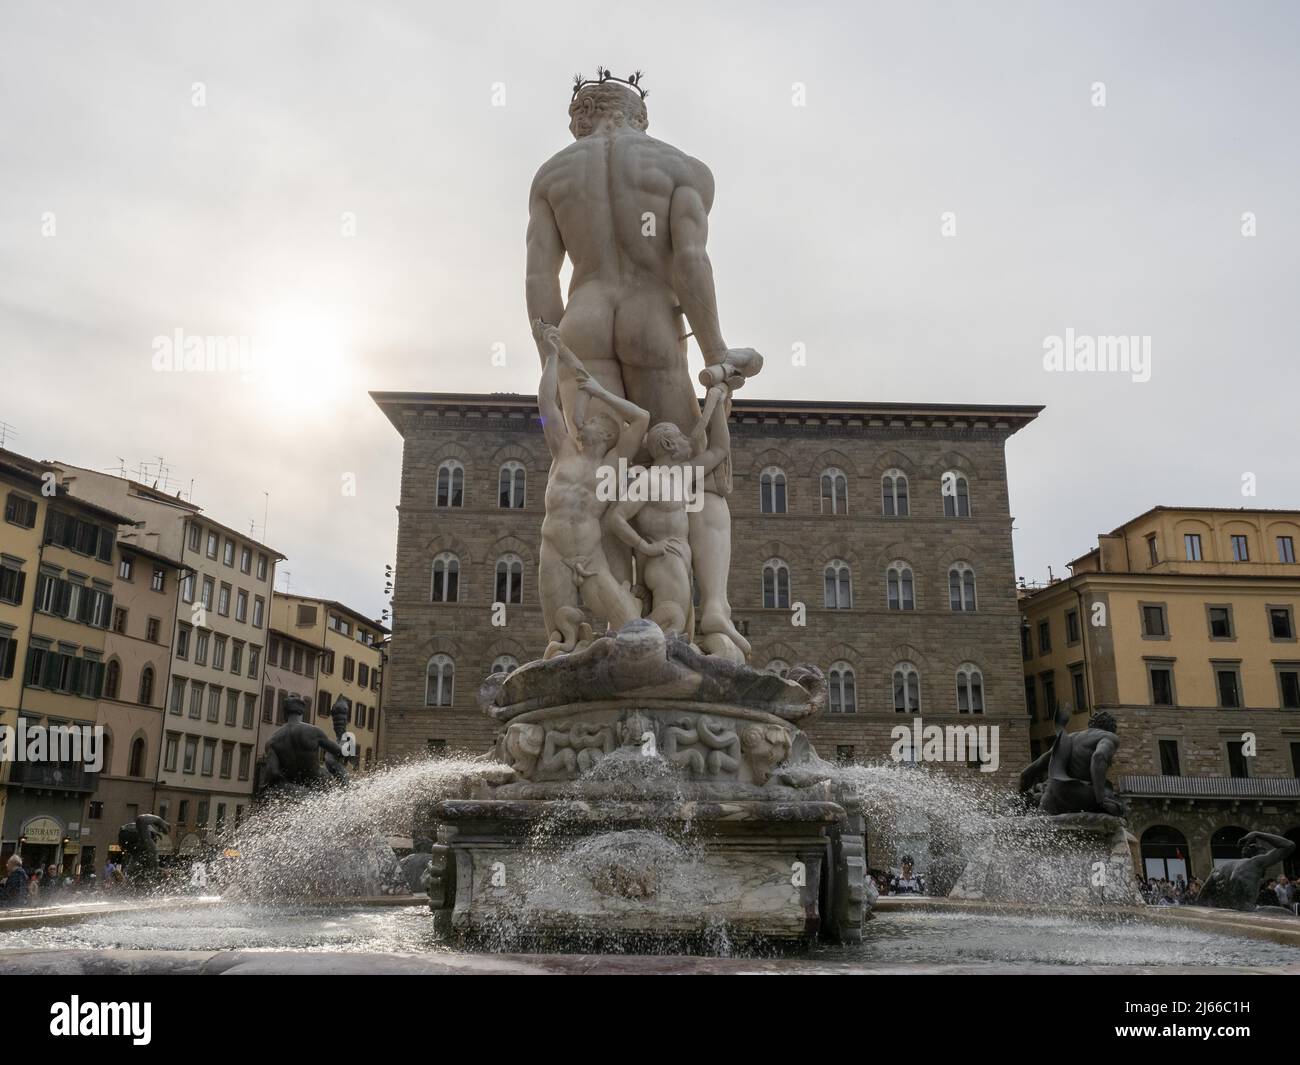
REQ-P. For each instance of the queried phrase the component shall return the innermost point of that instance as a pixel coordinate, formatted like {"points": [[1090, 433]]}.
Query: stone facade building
{"points": [[888, 524], [1182, 624]]}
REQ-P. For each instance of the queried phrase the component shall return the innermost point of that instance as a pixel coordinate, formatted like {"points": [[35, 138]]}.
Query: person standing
{"points": [[15, 886], [908, 882]]}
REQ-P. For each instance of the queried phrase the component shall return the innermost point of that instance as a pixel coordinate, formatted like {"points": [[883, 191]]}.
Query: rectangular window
{"points": [[261, 567], [1280, 624], [1071, 626], [1288, 683], [187, 588], [191, 753], [213, 545], [232, 707], [1162, 685], [1238, 763], [177, 703], [1169, 765], [158, 582], [327, 663], [209, 755], [19, 510], [153, 630], [223, 601], [214, 703], [268, 704], [1153, 620], [1240, 549], [349, 668], [1153, 553], [219, 652], [228, 554], [196, 699], [1044, 637], [241, 605], [250, 709], [297, 659], [306, 616], [1026, 642], [201, 647], [170, 751], [183, 811], [119, 620], [8, 653], [1295, 760], [1049, 695], [183, 633], [1227, 679], [245, 760], [237, 657], [201, 818], [259, 607], [1285, 549], [254, 657], [245, 560], [125, 568], [1220, 622], [12, 582], [1079, 689], [209, 586], [227, 758], [195, 537]]}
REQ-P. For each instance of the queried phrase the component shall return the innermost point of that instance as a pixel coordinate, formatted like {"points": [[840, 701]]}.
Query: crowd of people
{"points": [[50, 886], [1161, 891]]}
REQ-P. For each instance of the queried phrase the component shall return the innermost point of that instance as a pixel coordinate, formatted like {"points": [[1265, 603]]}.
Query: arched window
{"points": [[439, 681], [146, 686], [1165, 853], [776, 584], [779, 666], [893, 494], [510, 486], [510, 579], [839, 585], [451, 484], [135, 768], [899, 587], [835, 492], [504, 664], [843, 689], [1225, 844], [445, 587], [961, 586], [956, 494], [112, 679], [771, 491], [970, 689], [907, 689]]}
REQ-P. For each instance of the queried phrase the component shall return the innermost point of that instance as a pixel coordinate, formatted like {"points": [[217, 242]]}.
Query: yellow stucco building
{"points": [[1182, 624]]}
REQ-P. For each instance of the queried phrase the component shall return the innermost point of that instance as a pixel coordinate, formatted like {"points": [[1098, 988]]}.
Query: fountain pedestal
{"points": [[650, 793]]}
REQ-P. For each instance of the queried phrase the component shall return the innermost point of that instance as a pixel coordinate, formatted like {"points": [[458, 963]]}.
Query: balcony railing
{"points": [[59, 776]]}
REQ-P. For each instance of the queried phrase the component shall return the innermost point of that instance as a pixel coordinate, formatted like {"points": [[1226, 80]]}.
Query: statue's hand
{"points": [[655, 549], [548, 339]]}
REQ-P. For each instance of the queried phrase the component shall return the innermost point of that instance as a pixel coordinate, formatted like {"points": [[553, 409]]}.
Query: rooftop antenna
{"points": [[6, 430]]}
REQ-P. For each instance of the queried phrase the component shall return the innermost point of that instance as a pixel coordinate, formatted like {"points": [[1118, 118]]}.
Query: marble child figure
{"points": [[572, 567]]}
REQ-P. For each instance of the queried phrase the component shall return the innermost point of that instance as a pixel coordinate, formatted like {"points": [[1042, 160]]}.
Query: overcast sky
{"points": [[128, 212]]}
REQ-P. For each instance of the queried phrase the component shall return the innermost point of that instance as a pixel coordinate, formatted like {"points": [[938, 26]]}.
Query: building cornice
{"points": [[950, 417]]}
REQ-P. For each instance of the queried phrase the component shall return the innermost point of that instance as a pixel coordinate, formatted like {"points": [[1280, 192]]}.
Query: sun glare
{"points": [[302, 353]]}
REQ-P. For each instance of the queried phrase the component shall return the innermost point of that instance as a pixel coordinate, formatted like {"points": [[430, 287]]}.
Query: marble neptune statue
{"points": [[631, 213]]}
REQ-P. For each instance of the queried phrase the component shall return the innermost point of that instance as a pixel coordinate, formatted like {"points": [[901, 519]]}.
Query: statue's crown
{"points": [[633, 81]]}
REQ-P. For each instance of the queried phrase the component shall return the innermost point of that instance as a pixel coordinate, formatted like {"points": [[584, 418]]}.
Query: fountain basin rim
{"points": [[608, 811]]}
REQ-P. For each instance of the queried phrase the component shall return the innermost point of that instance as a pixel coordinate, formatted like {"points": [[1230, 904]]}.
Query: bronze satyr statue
{"points": [[1073, 772], [139, 842], [293, 751], [1234, 885]]}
